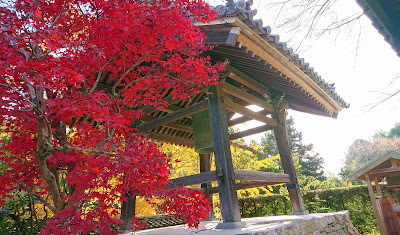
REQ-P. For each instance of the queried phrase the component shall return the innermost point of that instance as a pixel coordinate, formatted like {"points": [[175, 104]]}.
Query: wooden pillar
{"points": [[378, 188], [205, 165], [381, 225], [282, 141], [223, 161]]}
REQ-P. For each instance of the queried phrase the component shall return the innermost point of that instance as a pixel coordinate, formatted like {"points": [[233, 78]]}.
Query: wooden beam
{"points": [[384, 172], [275, 58], [223, 160], [201, 178], [173, 125], [232, 90], [242, 78], [242, 185], [259, 153], [148, 109], [381, 224], [393, 162], [251, 131], [261, 176], [231, 106], [190, 110], [170, 139], [378, 188], [285, 154], [243, 119], [205, 166]]}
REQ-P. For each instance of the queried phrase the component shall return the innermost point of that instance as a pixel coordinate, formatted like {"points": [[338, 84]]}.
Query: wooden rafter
{"points": [[234, 91], [231, 106], [251, 131], [190, 110]]}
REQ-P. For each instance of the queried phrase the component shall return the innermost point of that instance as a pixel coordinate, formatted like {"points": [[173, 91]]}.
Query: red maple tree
{"points": [[74, 77]]}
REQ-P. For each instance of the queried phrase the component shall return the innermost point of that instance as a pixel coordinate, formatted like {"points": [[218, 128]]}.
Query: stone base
{"points": [[300, 212], [231, 225]]}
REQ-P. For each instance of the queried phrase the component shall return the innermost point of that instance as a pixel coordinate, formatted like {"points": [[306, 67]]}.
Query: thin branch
{"points": [[37, 196], [59, 15], [70, 148]]}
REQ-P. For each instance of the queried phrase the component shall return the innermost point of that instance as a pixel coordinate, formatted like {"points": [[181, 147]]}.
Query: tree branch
{"points": [[70, 148], [41, 199], [59, 15]]}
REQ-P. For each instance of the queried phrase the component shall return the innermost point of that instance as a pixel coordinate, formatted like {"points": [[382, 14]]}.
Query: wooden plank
{"points": [[285, 154], [251, 131], [173, 125], [205, 166], [148, 109], [232, 90], [231, 106], [378, 188], [381, 226], [171, 139], [223, 159], [190, 110], [248, 149], [201, 178], [243, 185], [243, 119], [261, 176], [238, 76], [383, 172], [274, 57]]}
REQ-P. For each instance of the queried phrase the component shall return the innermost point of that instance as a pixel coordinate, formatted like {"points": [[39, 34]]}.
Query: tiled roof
{"points": [[241, 9], [385, 16]]}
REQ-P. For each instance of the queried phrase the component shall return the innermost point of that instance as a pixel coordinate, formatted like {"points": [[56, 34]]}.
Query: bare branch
{"points": [[59, 15], [70, 148], [41, 199]]}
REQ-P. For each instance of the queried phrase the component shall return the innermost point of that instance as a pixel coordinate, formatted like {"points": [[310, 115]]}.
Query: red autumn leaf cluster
{"points": [[74, 76]]}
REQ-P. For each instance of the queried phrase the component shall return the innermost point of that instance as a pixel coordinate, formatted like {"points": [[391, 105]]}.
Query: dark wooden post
{"points": [[282, 141], [205, 165], [223, 161]]}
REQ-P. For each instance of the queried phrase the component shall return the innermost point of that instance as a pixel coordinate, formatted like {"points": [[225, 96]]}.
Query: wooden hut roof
{"points": [[253, 50], [381, 166], [385, 16], [259, 67]]}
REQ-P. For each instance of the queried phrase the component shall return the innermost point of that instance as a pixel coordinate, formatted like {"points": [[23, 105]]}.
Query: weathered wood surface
{"points": [[261, 176], [173, 125], [384, 172], [243, 95], [223, 159], [200, 178], [205, 166], [381, 225], [286, 159], [251, 131], [190, 110], [243, 119], [239, 76], [171, 139], [231, 106], [242, 185]]}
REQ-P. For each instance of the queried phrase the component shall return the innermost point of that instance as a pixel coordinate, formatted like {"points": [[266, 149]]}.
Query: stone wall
{"points": [[337, 223]]}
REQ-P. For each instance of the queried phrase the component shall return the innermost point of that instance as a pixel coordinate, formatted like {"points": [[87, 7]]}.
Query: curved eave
{"points": [[247, 37]]}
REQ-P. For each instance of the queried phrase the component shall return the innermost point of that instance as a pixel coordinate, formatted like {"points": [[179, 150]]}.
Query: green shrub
{"points": [[354, 199]]}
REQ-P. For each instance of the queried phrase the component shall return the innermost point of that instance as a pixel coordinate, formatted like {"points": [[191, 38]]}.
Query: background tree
{"points": [[74, 76], [361, 152], [311, 163]]}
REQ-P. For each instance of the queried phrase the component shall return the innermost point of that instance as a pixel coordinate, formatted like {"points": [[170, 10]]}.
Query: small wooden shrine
{"points": [[261, 71], [387, 210]]}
